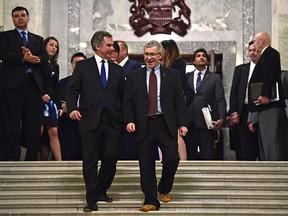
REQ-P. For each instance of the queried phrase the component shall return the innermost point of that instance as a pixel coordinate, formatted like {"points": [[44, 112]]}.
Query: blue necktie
{"points": [[103, 73], [24, 39], [198, 81]]}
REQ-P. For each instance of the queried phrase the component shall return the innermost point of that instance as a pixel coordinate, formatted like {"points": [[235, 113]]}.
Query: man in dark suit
{"points": [[154, 108], [68, 129], [246, 147], [204, 89], [127, 145], [271, 114], [123, 59], [99, 83], [21, 87]]}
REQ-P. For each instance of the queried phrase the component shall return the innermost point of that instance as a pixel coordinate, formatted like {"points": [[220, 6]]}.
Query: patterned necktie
{"points": [[198, 81], [152, 93], [103, 73], [24, 39]]}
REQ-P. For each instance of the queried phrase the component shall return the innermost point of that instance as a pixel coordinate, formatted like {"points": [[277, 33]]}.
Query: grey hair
{"points": [[98, 38], [153, 43]]}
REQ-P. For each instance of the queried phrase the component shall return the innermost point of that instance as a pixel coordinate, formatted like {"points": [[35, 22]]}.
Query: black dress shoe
{"points": [[104, 197], [90, 208]]}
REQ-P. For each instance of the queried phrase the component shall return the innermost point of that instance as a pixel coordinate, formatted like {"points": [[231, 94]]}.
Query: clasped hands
{"points": [[29, 57], [233, 119]]}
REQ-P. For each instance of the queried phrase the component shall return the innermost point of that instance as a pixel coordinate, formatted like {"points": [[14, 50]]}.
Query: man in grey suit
{"points": [[154, 109], [246, 146], [204, 89], [270, 114], [99, 83]]}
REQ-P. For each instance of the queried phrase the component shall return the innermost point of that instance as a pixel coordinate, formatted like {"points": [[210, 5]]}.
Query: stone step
{"points": [[134, 195], [200, 188], [175, 212], [135, 204]]}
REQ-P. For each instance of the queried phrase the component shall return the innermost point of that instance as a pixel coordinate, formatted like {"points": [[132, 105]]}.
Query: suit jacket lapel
{"points": [[245, 75], [191, 81], [30, 40], [19, 37], [162, 80], [143, 75], [205, 79], [109, 80], [96, 71]]}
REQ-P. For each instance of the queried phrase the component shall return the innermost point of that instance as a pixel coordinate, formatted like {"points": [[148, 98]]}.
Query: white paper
{"points": [[208, 119]]}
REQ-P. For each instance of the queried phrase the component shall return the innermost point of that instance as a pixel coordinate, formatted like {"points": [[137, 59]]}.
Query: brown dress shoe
{"points": [[165, 198], [148, 207]]}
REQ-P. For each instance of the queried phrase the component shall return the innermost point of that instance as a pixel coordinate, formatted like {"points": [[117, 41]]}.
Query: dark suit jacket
{"points": [[211, 92], [13, 68], [180, 65], [130, 65], [86, 82], [63, 83], [171, 99], [268, 71], [238, 88]]}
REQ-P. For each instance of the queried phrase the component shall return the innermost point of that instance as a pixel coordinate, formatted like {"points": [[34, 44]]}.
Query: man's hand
{"points": [[233, 119], [218, 124], [75, 115], [263, 100], [28, 57], [251, 127], [131, 127], [183, 131]]}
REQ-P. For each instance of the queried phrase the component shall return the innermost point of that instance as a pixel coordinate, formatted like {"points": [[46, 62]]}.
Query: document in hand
{"points": [[207, 116], [256, 88]]}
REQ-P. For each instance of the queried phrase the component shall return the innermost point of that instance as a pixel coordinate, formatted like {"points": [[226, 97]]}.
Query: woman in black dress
{"points": [[52, 104]]}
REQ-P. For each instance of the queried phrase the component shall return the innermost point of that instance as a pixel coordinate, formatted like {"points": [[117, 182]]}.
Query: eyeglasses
{"points": [[151, 54]]}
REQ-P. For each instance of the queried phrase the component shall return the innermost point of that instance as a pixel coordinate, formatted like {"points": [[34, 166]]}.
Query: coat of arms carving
{"points": [[156, 16]]}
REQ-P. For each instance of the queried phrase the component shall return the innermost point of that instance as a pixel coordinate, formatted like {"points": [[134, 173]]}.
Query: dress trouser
{"points": [[157, 134], [21, 110], [248, 147], [100, 144], [271, 134], [202, 138]]}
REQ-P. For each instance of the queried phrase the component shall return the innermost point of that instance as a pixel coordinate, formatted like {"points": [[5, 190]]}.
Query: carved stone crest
{"points": [[156, 16]]}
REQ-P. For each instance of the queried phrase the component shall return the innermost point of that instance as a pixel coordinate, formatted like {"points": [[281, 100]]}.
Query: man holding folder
{"points": [[270, 113]]}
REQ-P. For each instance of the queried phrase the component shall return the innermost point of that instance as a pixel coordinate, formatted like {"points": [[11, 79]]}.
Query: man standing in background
{"points": [[271, 114], [21, 87], [127, 144], [68, 129], [246, 146], [204, 89]]}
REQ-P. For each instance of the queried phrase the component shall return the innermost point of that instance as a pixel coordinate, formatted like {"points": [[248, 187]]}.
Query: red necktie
{"points": [[152, 93]]}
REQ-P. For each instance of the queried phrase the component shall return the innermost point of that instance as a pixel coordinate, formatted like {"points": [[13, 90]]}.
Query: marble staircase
{"points": [[200, 188]]}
